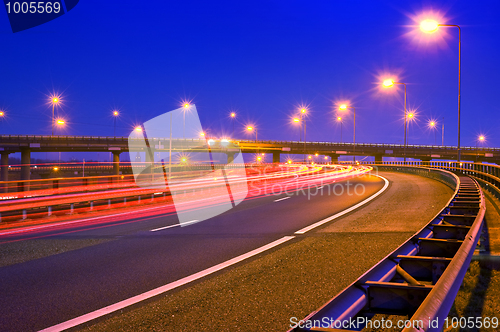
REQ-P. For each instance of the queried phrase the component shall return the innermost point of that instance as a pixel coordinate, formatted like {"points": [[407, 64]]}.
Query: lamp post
{"points": [[344, 107], [298, 120], [251, 128], [339, 119], [390, 83], [60, 122], [432, 125], [233, 116], [479, 139], [430, 26], [411, 117], [186, 106], [115, 114], [55, 100], [303, 112]]}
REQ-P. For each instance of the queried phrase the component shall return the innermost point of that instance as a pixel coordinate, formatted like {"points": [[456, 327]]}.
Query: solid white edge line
{"points": [[281, 199], [354, 207], [162, 289], [176, 225]]}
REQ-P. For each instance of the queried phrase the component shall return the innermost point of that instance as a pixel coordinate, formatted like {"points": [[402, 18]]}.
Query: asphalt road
{"points": [[47, 291]]}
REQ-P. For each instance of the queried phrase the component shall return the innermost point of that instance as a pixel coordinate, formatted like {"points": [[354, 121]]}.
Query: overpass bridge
{"points": [[25, 144]]}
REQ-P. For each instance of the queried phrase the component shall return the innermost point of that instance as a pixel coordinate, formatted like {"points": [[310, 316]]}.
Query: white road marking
{"points": [[176, 225], [141, 297], [352, 208], [277, 200]]}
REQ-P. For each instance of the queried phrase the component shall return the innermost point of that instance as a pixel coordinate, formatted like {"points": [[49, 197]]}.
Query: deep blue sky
{"points": [[261, 59]]}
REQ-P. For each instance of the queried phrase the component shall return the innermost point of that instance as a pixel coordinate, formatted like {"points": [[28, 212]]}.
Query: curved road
{"points": [[47, 291]]}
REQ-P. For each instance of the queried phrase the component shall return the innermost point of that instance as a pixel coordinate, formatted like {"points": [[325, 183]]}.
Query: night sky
{"points": [[260, 59]]}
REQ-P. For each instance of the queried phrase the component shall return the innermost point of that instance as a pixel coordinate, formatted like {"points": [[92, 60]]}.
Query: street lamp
{"points": [[303, 112], [388, 83], [432, 125], [54, 101], [480, 139], [344, 107], [250, 128], [430, 26], [186, 106], [115, 115], [339, 119], [233, 116], [411, 117], [298, 120], [138, 128]]}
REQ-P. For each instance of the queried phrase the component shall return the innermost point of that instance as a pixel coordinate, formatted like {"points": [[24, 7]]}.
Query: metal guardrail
{"points": [[420, 279]]}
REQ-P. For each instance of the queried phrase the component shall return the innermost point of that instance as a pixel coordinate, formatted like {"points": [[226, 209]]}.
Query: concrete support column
{"points": [[276, 157], [4, 171], [230, 157], [116, 163], [378, 158], [334, 158], [25, 168], [25, 164]]}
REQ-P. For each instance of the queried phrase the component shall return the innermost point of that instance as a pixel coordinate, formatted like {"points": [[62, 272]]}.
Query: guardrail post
{"points": [[24, 214], [91, 205], [50, 211], [109, 203], [71, 208], [124, 200]]}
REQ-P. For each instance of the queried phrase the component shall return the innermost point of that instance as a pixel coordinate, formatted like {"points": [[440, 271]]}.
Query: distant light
{"points": [[388, 83], [343, 107], [262, 153], [481, 138], [233, 114], [326, 157], [410, 115], [296, 120], [303, 110], [289, 161], [259, 158], [115, 113], [138, 128], [55, 100], [224, 142], [211, 142], [1, 113], [60, 122], [339, 118], [186, 105], [56, 169], [202, 134], [316, 154], [432, 123], [429, 26], [309, 157], [249, 128], [184, 159]]}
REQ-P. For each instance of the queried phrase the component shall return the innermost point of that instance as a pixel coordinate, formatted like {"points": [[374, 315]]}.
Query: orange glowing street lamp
{"points": [[344, 107], [54, 101], [303, 122], [233, 116], [433, 126], [480, 139], [138, 129], [431, 26], [60, 122], [115, 115], [388, 83], [250, 129], [339, 119]]}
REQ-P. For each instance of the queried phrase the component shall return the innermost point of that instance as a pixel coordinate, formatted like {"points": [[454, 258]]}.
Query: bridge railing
{"points": [[487, 175], [421, 278]]}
